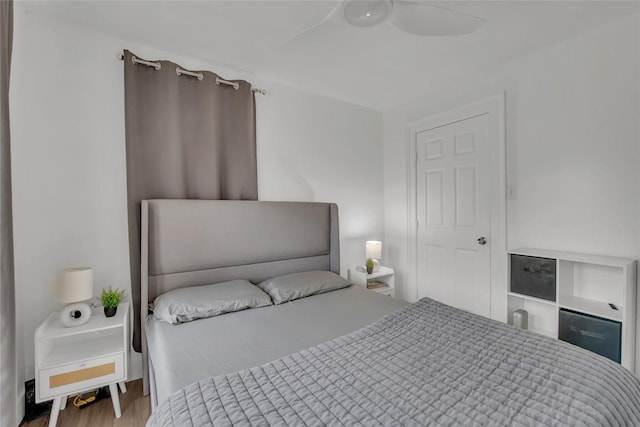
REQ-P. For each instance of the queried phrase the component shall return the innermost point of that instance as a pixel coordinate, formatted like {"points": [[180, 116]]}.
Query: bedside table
{"points": [[384, 275], [77, 359]]}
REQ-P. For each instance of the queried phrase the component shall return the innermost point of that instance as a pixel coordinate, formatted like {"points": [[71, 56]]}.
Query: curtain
{"points": [[8, 384], [186, 138]]}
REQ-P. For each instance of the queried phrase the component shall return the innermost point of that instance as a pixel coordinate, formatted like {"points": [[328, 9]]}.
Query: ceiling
{"points": [[378, 67]]}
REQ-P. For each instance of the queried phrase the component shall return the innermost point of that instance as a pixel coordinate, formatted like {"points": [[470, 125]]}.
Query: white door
{"points": [[454, 214]]}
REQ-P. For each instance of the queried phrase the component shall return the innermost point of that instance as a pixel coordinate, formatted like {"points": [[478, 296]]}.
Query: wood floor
{"points": [[135, 407]]}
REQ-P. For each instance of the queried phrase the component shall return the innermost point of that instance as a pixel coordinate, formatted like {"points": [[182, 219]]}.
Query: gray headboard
{"points": [[200, 242]]}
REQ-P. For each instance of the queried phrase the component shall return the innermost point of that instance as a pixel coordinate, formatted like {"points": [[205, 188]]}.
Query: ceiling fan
{"points": [[409, 16]]}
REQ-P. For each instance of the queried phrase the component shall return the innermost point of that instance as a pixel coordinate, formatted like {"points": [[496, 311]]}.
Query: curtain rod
{"points": [[180, 71]]}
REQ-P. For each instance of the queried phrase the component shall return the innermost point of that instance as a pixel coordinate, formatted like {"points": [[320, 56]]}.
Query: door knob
{"points": [[482, 240]]}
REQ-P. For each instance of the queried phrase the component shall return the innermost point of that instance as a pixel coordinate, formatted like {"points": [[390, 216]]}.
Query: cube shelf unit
{"points": [[586, 284]]}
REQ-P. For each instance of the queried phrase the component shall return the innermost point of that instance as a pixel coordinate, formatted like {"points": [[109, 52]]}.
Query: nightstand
{"points": [[77, 359], [381, 281]]}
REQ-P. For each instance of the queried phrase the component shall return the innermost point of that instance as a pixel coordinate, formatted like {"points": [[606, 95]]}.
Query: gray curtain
{"points": [[186, 139], [8, 384]]}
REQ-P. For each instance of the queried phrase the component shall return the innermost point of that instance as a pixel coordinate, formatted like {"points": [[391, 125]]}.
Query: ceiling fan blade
{"points": [[426, 20], [318, 32]]}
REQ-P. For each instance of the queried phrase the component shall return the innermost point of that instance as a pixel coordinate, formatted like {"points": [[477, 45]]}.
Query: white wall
{"points": [[69, 160], [314, 148], [573, 146]]}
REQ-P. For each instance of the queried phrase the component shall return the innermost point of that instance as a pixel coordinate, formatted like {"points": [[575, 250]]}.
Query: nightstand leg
{"points": [[113, 389], [63, 404], [55, 410], [123, 386]]}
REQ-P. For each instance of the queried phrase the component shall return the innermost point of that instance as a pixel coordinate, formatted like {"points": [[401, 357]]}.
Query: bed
{"points": [[346, 357], [198, 242], [259, 335]]}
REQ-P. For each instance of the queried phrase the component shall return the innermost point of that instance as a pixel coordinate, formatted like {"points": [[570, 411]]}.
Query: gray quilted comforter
{"points": [[425, 364]]}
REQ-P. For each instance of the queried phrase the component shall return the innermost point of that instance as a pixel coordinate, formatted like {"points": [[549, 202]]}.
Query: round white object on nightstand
{"points": [[75, 314]]}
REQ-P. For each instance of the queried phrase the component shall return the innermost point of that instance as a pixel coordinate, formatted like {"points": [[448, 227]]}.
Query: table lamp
{"points": [[74, 285], [374, 251]]}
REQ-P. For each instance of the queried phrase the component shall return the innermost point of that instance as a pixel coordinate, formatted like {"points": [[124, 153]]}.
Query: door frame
{"points": [[494, 106]]}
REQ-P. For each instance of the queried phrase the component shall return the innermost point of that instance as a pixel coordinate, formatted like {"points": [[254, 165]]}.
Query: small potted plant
{"points": [[110, 299], [369, 264]]}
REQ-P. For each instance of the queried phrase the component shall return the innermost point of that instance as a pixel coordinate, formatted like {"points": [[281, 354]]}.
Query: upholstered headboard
{"points": [[200, 242]]}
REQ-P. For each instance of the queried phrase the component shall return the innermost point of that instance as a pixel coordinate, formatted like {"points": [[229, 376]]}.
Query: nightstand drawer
{"points": [[83, 375]]}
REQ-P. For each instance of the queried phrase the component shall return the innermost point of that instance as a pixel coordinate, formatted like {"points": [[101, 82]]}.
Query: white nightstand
{"points": [[74, 360], [383, 275]]}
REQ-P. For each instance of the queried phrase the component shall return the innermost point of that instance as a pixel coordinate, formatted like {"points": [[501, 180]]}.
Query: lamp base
{"points": [[75, 314], [376, 265]]}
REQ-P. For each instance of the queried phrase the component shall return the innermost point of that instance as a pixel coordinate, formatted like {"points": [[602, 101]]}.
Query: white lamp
{"points": [[374, 251], [74, 285]]}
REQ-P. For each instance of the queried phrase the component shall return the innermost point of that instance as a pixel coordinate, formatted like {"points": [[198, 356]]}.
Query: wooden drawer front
{"points": [[81, 376]]}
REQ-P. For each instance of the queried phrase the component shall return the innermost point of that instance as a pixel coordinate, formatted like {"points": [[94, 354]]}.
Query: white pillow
{"points": [[298, 285], [196, 302]]}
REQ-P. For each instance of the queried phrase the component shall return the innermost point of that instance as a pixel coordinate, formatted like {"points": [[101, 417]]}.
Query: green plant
{"points": [[369, 264], [111, 297]]}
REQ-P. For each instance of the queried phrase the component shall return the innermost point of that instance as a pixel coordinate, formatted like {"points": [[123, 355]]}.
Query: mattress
{"points": [[185, 353], [423, 364]]}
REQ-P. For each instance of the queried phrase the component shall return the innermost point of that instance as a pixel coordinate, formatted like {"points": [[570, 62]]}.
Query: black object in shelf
{"points": [[601, 336], [533, 276]]}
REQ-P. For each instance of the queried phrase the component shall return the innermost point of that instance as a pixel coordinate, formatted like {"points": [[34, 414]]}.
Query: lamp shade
{"points": [[74, 284], [373, 249]]}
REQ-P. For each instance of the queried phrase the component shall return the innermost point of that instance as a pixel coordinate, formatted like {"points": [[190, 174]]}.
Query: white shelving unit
{"points": [[587, 284], [73, 360], [383, 275]]}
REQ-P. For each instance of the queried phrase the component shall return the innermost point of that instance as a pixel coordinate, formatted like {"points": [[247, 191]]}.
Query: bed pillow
{"points": [[196, 302], [299, 285]]}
